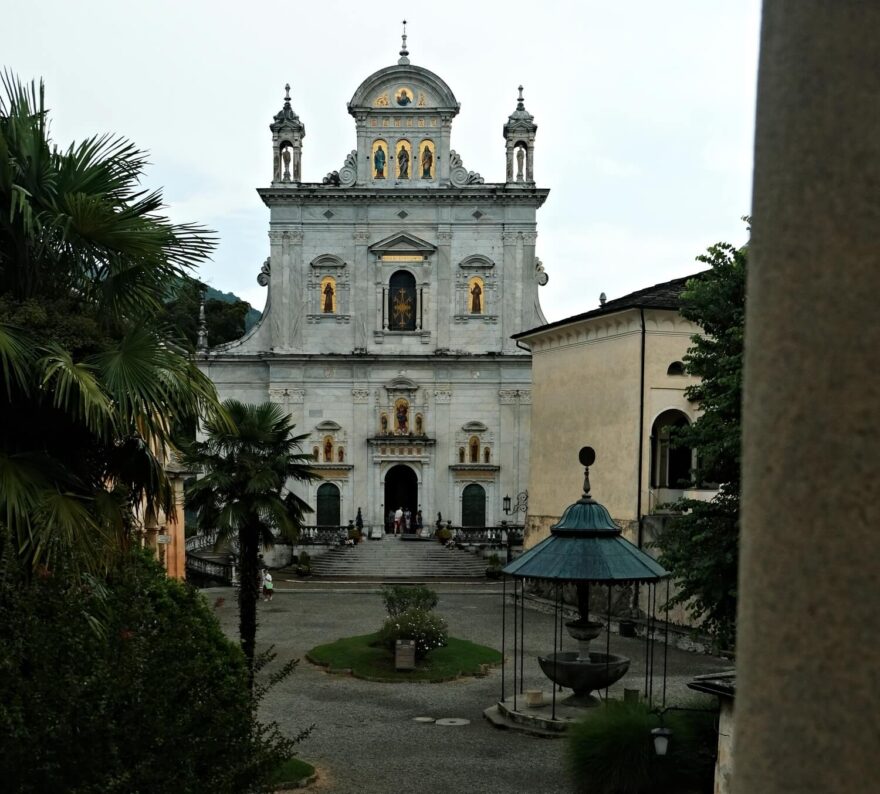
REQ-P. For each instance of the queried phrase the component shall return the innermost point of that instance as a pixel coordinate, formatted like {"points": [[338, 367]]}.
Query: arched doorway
{"points": [[328, 505], [473, 506], [401, 490], [670, 465]]}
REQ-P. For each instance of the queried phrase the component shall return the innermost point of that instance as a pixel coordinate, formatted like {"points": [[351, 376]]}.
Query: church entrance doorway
{"points": [[401, 490], [473, 506]]}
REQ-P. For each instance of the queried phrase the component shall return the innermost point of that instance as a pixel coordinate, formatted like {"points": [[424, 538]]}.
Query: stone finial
{"points": [[520, 101], [287, 93], [202, 341], [587, 457], [602, 298], [404, 52]]}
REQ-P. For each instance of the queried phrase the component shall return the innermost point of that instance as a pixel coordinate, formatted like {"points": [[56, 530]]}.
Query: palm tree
{"points": [[91, 381], [247, 458]]}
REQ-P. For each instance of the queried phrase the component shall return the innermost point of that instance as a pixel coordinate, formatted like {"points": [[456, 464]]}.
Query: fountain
{"points": [[585, 547]]}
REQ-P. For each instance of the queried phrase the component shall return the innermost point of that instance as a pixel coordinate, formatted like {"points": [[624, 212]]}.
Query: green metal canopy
{"points": [[586, 546]]}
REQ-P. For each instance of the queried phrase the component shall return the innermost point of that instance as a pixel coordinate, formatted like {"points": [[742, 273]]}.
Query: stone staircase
{"points": [[396, 560]]}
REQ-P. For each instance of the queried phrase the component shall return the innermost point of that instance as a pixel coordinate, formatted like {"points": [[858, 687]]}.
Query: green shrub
{"points": [[611, 751], [494, 561], [444, 534], [304, 561], [123, 683], [399, 599], [428, 630]]}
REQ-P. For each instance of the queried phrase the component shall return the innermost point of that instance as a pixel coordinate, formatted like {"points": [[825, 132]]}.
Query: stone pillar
{"points": [[442, 148], [509, 161], [296, 291], [279, 308], [442, 452], [530, 160], [444, 280], [509, 276], [363, 293], [359, 452], [808, 652]]}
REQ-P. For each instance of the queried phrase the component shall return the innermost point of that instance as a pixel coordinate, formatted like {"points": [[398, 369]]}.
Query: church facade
{"points": [[395, 286]]}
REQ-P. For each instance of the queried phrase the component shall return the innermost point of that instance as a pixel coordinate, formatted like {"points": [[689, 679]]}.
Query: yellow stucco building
{"points": [[611, 378]]}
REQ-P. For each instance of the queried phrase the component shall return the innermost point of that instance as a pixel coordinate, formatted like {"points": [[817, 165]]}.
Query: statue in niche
{"points": [[418, 424], [285, 156], [328, 451], [341, 455], [520, 159], [404, 97], [476, 302], [402, 415], [427, 162], [403, 163], [328, 298], [379, 162], [383, 423], [461, 454], [475, 450], [316, 454], [486, 455]]}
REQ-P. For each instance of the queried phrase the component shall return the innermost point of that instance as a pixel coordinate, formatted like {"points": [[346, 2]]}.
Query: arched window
{"points": [[380, 159], [461, 455], [474, 449], [473, 506], [670, 463], [328, 295], [487, 456], [476, 298], [402, 302], [328, 449], [327, 514], [675, 368]]}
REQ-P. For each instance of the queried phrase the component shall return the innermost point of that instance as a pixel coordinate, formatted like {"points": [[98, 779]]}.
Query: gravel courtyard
{"points": [[365, 740]]}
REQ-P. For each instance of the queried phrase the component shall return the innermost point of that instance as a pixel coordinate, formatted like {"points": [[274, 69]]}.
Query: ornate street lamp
{"points": [[521, 506]]}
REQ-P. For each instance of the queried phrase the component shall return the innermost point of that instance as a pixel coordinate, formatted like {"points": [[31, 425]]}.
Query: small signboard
{"points": [[163, 539], [405, 655]]}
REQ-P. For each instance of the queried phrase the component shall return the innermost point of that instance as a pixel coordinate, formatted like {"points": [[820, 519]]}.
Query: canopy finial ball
{"points": [[587, 456]]}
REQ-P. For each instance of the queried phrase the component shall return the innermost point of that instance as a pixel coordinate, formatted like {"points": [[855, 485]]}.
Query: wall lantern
{"points": [[661, 740]]}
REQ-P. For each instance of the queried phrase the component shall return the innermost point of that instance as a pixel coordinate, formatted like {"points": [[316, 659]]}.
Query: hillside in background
{"points": [[250, 319]]}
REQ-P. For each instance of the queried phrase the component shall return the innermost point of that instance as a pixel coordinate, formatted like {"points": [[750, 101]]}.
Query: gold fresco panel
{"points": [[402, 258]]}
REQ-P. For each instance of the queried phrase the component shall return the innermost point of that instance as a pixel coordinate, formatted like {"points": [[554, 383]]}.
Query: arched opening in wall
{"points": [[328, 295], [473, 506], [403, 157], [402, 301], [401, 490], [487, 455], [476, 300], [461, 455], [521, 154], [675, 368], [327, 514], [670, 464], [340, 455], [474, 449], [316, 454]]}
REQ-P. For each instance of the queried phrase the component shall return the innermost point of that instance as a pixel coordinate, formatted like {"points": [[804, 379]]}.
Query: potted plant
{"points": [[493, 571]]}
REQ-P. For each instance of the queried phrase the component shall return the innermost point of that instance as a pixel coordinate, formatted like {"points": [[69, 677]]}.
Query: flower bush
{"points": [[400, 599], [428, 630]]}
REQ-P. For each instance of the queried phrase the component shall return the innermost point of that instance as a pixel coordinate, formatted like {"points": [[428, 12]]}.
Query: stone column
{"points": [[808, 653], [442, 149], [508, 284], [359, 451], [530, 160], [279, 308], [445, 436], [509, 162], [295, 289], [443, 278]]}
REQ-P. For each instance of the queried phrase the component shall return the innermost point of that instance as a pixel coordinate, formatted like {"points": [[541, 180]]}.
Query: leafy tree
{"points": [[226, 320], [122, 683], [92, 380], [246, 464], [700, 546]]}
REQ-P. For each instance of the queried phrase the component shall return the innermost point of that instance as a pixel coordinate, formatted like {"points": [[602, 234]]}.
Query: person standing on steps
{"points": [[407, 520], [390, 525], [398, 519]]}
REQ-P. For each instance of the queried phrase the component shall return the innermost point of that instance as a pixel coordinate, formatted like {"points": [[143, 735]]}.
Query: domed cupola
{"points": [[403, 115]]}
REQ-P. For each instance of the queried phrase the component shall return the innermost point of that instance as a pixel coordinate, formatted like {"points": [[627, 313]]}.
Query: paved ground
{"points": [[365, 740]]}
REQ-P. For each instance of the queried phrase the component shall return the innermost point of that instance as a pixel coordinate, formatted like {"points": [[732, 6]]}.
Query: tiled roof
{"points": [[661, 296]]}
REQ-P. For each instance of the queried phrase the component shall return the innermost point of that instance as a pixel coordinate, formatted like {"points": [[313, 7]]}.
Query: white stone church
{"points": [[395, 286]]}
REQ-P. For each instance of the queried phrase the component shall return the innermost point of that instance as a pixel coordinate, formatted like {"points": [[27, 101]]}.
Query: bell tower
{"points": [[287, 135], [519, 134]]}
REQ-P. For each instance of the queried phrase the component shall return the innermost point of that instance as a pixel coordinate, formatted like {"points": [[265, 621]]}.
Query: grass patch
{"points": [[376, 663], [292, 770]]}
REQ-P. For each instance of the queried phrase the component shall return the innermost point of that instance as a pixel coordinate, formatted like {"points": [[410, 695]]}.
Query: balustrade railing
{"points": [[224, 571], [504, 535]]}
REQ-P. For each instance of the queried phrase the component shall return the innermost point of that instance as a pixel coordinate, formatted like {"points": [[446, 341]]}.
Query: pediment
{"points": [[401, 384], [328, 426], [403, 243], [474, 427], [328, 261]]}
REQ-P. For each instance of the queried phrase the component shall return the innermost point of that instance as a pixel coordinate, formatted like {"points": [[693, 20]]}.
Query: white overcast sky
{"points": [[645, 112]]}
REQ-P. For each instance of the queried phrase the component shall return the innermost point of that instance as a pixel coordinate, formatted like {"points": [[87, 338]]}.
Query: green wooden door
{"points": [[328, 505], [473, 506]]}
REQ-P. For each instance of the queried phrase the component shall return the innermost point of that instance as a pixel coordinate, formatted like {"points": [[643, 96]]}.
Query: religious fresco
{"points": [[474, 447], [328, 449], [427, 160], [382, 101], [328, 295], [401, 416], [379, 159], [419, 425], [476, 299], [403, 97], [383, 423], [403, 157], [423, 101]]}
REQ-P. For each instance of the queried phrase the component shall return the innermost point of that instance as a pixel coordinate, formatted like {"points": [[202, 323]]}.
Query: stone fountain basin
{"points": [[584, 629], [583, 677]]}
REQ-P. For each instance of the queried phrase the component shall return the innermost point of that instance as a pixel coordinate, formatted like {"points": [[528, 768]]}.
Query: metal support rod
{"points": [[608, 643], [647, 612], [515, 606], [555, 640], [665, 642], [503, 631], [653, 629], [561, 618], [522, 634]]}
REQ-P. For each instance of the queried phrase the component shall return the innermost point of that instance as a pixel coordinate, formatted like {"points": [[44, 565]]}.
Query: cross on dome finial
{"points": [[404, 52], [520, 101], [287, 92]]}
